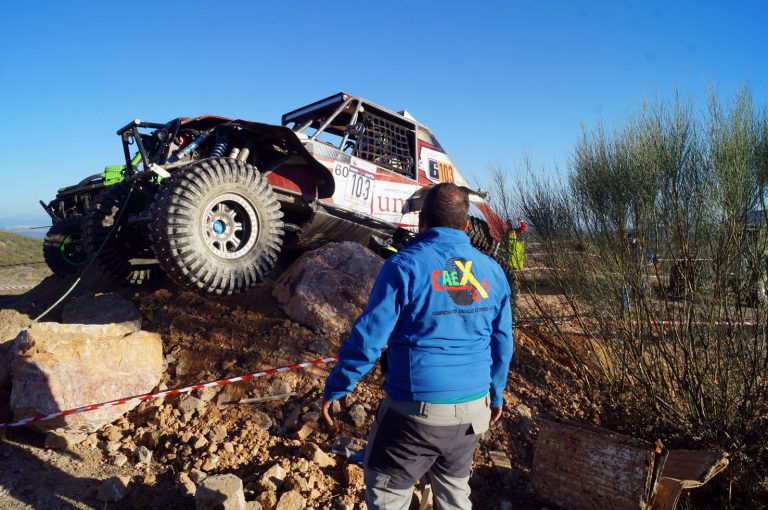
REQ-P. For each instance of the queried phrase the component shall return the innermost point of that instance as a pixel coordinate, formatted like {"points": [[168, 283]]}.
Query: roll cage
{"points": [[359, 128]]}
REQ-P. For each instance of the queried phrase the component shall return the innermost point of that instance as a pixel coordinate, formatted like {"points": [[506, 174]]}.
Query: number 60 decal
{"points": [[359, 187], [342, 170]]}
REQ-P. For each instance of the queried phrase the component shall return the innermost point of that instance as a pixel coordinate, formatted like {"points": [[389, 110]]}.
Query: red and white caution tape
{"points": [[161, 394], [17, 287], [574, 320], [730, 324], [297, 366], [546, 320]]}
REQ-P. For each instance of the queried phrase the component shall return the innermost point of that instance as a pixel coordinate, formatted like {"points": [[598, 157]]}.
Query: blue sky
{"points": [[494, 80]]}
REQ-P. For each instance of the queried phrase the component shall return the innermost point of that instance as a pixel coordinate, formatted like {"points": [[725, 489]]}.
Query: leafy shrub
{"points": [[663, 218]]}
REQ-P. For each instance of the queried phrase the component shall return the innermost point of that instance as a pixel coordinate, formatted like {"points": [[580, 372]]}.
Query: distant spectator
{"points": [[515, 245]]}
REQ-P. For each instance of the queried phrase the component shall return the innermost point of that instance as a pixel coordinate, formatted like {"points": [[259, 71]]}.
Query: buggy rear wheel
{"points": [[63, 248], [127, 255], [217, 227]]}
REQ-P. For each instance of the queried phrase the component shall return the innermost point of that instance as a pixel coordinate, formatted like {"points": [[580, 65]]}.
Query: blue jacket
{"points": [[443, 309]]}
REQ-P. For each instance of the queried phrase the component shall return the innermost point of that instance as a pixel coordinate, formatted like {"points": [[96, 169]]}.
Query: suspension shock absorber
{"points": [[220, 147]]}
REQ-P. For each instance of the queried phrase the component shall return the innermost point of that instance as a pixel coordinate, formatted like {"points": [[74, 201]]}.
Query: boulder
{"points": [[113, 489], [11, 322], [326, 289], [107, 308], [220, 492], [62, 366]]}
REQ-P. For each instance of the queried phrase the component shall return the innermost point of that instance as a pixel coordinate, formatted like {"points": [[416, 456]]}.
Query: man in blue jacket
{"points": [[442, 309]]}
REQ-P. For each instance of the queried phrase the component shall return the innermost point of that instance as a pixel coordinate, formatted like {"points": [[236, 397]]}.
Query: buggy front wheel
{"points": [[217, 226]]}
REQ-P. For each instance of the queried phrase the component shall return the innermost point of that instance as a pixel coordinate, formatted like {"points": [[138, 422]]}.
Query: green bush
{"points": [[689, 187]]}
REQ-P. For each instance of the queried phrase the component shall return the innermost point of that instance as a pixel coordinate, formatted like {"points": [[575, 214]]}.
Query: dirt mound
{"points": [[214, 431]]}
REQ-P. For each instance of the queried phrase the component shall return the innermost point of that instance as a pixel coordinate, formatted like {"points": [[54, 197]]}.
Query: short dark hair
{"points": [[445, 205]]}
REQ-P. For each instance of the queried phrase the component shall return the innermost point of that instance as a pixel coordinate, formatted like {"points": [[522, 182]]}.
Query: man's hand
{"points": [[327, 413], [495, 415]]}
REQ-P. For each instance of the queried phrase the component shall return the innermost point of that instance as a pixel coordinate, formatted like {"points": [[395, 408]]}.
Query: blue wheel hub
{"points": [[218, 226]]}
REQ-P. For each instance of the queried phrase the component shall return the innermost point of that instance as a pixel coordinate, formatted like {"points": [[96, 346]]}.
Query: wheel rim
{"points": [[72, 250], [230, 226]]}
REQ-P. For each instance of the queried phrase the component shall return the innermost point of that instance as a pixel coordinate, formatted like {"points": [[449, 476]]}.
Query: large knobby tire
{"points": [[127, 255], [480, 235], [217, 226], [63, 248], [481, 238]]}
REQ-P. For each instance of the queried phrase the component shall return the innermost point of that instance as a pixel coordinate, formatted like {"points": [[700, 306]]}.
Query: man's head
{"points": [[445, 205]]}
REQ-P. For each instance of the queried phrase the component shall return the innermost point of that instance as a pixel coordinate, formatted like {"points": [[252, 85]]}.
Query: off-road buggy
{"points": [[214, 202]]}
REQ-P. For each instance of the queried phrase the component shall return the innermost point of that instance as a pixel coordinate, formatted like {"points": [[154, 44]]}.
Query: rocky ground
{"points": [[159, 454]]}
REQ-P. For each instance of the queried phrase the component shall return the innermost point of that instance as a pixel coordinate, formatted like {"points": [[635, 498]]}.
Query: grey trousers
{"points": [[411, 439]]}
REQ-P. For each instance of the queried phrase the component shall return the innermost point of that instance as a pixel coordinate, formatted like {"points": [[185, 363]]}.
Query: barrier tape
{"points": [[161, 394], [574, 320], [18, 287], [683, 260], [30, 263], [263, 373]]}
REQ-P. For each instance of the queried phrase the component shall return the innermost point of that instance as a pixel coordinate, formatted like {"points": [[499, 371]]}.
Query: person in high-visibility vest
{"points": [[515, 246]]}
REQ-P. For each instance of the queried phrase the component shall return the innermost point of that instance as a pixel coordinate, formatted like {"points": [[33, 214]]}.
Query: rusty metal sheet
{"points": [[578, 467], [694, 468], [668, 494], [686, 469]]}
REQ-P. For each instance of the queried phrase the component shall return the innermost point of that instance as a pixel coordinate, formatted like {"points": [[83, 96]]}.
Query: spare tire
{"points": [[63, 248], [127, 255], [217, 226]]}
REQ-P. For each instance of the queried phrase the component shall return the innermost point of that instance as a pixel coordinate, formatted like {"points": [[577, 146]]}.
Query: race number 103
{"points": [[358, 181]]}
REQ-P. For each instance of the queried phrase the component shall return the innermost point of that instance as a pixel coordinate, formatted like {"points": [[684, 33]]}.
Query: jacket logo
{"points": [[457, 279]]}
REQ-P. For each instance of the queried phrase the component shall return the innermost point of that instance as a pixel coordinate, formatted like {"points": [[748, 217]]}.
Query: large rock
{"points": [[272, 479], [291, 500], [107, 308], [62, 366], [326, 289], [11, 322], [113, 489], [220, 492]]}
